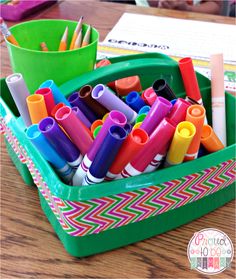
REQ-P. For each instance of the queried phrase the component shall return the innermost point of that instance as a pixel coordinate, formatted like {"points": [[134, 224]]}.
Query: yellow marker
{"points": [[63, 43], [43, 46], [6, 33], [105, 117], [86, 39], [76, 33], [37, 108], [181, 141], [78, 41], [137, 125]]}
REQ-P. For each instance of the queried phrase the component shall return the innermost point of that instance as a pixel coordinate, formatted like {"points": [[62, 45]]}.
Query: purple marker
{"points": [[104, 96], [81, 116], [114, 118], [158, 111], [62, 144], [106, 155], [75, 101]]}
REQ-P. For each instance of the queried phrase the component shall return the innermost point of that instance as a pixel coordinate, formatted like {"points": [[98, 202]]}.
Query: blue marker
{"points": [[173, 101], [57, 95], [49, 153], [105, 155], [128, 127], [144, 110], [134, 101]]}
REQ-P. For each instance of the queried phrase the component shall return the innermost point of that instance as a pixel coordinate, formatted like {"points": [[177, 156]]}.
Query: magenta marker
{"points": [[104, 96], [114, 118], [158, 111], [74, 128], [82, 117], [150, 96], [178, 111], [159, 139], [48, 98]]}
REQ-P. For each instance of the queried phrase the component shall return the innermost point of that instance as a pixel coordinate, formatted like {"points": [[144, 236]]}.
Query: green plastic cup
{"points": [[37, 66]]}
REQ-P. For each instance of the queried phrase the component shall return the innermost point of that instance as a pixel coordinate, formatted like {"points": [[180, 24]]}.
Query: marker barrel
{"points": [[209, 139], [48, 98], [56, 108], [105, 97], [190, 79], [57, 95], [162, 89], [135, 141], [106, 155], [128, 84], [195, 114], [75, 101], [150, 96], [49, 153], [85, 95], [19, 92], [76, 130], [62, 144], [37, 108], [134, 101], [181, 141], [157, 112], [81, 116], [178, 111]]}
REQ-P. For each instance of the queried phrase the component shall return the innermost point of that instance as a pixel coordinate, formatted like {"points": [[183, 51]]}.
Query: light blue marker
{"points": [[144, 110]]}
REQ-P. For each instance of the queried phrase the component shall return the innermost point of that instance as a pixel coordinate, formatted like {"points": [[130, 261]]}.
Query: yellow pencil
{"points": [[78, 41], [63, 42], [43, 46], [76, 33], [86, 39], [6, 33]]}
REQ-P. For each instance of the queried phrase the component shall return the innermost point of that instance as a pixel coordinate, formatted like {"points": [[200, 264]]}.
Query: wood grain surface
{"points": [[29, 246]]}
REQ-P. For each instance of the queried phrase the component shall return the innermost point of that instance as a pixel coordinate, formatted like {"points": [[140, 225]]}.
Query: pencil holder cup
{"points": [[36, 66]]}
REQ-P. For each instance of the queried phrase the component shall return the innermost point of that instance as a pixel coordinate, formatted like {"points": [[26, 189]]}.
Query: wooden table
{"points": [[29, 246]]}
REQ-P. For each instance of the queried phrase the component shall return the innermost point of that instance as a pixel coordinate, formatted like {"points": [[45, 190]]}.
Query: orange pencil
{"points": [[6, 33], [78, 41], [43, 46], [76, 33], [63, 43], [86, 39]]}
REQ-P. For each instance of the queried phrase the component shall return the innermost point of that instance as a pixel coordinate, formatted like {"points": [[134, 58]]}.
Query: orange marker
{"points": [[195, 114], [135, 141], [37, 108], [7, 34], [86, 39], [95, 124], [126, 85], [63, 43], [78, 41], [210, 140], [76, 33], [43, 46]]}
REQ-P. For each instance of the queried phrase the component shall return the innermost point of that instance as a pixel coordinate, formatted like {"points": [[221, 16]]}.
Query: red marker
{"points": [[48, 98], [150, 96]]}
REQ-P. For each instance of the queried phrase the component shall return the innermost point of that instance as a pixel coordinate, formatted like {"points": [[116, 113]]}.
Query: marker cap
{"points": [[144, 109], [137, 125], [48, 98], [37, 108], [96, 131], [134, 101], [210, 140], [128, 84], [150, 95], [178, 111], [162, 89]]}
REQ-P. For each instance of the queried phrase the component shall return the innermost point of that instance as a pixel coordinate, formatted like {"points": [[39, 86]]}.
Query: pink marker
{"points": [[150, 96], [74, 128], [158, 140], [48, 98], [178, 111]]}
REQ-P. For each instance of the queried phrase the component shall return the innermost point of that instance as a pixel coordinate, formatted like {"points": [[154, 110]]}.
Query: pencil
{"points": [[7, 34], [43, 46], [78, 41], [86, 38], [76, 33], [63, 42]]}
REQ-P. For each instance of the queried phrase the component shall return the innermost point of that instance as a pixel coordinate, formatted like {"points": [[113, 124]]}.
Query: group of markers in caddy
{"points": [[134, 131]]}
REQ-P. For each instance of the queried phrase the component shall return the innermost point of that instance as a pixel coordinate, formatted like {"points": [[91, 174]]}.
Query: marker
{"points": [[48, 98], [6, 33], [218, 96], [144, 109], [76, 33], [86, 39], [95, 124], [137, 125], [19, 92], [105, 97], [82, 117], [61, 143], [128, 128], [178, 111], [55, 108], [114, 118], [63, 42], [43, 46], [78, 41], [134, 101], [158, 159], [190, 80], [48, 153], [103, 63], [85, 95], [209, 139], [75, 101], [74, 128], [150, 96], [135, 141], [140, 118], [195, 114], [181, 141], [173, 101], [105, 155], [162, 89], [37, 108], [157, 112], [161, 136], [105, 117], [128, 84], [96, 131], [57, 95]]}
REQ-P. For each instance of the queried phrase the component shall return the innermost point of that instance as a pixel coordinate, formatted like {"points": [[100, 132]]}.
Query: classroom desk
{"points": [[31, 249]]}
